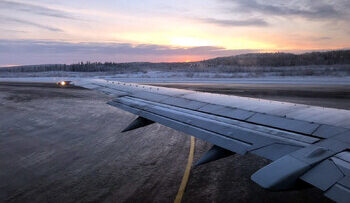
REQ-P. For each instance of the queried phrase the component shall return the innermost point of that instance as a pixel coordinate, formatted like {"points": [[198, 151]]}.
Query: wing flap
{"points": [[284, 123], [276, 151], [316, 176], [340, 191], [229, 112]]}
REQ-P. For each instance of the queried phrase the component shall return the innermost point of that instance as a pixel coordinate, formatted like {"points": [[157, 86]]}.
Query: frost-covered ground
{"points": [[255, 77], [264, 80], [177, 71], [319, 80]]}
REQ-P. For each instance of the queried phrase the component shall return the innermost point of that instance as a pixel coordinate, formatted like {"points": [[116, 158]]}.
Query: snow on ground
{"points": [[176, 77], [260, 80]]}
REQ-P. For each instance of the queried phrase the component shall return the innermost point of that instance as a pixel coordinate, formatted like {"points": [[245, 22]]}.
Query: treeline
{"points": [[99, 67], [283, 59], [239, 63]]}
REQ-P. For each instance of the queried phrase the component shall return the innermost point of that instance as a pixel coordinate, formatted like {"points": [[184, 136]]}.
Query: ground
{"points": [[65, 145]]}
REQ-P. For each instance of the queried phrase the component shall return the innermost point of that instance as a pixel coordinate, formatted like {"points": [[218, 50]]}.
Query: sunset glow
{"points": [[154, 30], [189, 42]]}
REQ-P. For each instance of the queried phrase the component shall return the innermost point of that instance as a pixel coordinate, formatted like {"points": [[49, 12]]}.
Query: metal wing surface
{"points": [[303, 142]]}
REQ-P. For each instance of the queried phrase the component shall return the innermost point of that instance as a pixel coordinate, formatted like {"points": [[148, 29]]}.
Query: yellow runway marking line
{"points": [[186, 174]]}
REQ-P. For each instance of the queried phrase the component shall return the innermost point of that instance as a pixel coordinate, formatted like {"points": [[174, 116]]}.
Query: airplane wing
{"points": [[303, 142]]}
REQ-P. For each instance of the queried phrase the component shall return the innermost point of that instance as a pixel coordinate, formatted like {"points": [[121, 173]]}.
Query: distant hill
{"points": [[283, 59], [255, 62]]}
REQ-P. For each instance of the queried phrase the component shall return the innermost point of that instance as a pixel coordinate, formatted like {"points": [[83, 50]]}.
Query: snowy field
{"points": [[317, 80]]}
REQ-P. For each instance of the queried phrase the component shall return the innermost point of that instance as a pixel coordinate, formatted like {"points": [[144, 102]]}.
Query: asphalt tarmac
{"points": [[65, 145]]}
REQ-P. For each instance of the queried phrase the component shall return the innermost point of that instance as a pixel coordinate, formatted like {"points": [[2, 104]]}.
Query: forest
{"points": [[254, 62]]}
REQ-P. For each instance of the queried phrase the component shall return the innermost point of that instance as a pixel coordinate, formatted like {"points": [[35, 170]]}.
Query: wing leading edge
{"points": [[302, 141]]}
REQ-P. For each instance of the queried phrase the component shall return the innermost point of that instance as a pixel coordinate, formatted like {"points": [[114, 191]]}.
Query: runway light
{"points": [[64, 83]]}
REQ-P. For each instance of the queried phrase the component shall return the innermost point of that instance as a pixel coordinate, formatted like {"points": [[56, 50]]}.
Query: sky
{"points": [[54, 31]]}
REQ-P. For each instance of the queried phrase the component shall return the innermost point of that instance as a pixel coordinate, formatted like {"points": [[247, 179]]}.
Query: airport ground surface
{"points": [[65, 145]]}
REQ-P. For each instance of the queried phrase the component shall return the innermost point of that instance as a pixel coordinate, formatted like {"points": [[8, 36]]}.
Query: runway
{"points": [[65, 145]]}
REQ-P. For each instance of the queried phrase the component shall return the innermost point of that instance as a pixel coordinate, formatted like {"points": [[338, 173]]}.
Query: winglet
{"points": [[213, 154], [138, 123]]}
